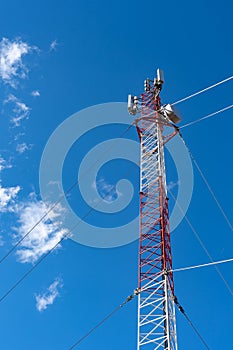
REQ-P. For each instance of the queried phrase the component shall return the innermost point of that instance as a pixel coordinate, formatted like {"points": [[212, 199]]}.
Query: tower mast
{"points": [[156, 309]]}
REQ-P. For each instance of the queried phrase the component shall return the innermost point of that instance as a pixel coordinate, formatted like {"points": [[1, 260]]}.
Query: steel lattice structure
{"points": [[156, 309]]}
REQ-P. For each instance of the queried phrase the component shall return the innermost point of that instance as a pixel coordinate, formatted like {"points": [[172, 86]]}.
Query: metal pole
{"points": [[156, 312]]}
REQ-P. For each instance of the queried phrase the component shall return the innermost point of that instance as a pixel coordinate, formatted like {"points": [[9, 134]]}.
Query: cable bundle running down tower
{"points": [[156, 308]]}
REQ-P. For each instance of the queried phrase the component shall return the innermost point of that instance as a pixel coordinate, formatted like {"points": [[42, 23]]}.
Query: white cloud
{"points": [[20, 109], [23, 147], [11, 64], [57, 184], [7, 197], [48, 298], [1, 241], [44, 236], [35, 93], [172, 184], [53, 45], [4, 164], [107, 191], [19, 135]]}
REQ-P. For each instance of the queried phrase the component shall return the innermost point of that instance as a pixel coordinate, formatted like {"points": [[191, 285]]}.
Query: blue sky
{"points": [[74, 55]]}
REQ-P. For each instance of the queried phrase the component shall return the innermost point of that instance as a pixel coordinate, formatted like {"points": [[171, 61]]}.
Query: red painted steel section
{"points": [[155, 248]]}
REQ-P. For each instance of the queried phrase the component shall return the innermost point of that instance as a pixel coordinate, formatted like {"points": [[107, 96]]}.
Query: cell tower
{"points": [[156, 308]]}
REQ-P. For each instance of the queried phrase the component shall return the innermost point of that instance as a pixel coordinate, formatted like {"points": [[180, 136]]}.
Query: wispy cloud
{"points": [[172, 184], [11, 60], [47, 298], [7, 197], [19, 135], [44, 236], [57, 184], [106, 190], [1, 241], [53, 45], [4, 164], [23, 147], [35, 93], [20, 109]]}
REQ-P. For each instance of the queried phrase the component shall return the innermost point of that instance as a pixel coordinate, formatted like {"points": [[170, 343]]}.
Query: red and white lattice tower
{"points": [[156, 309]]}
